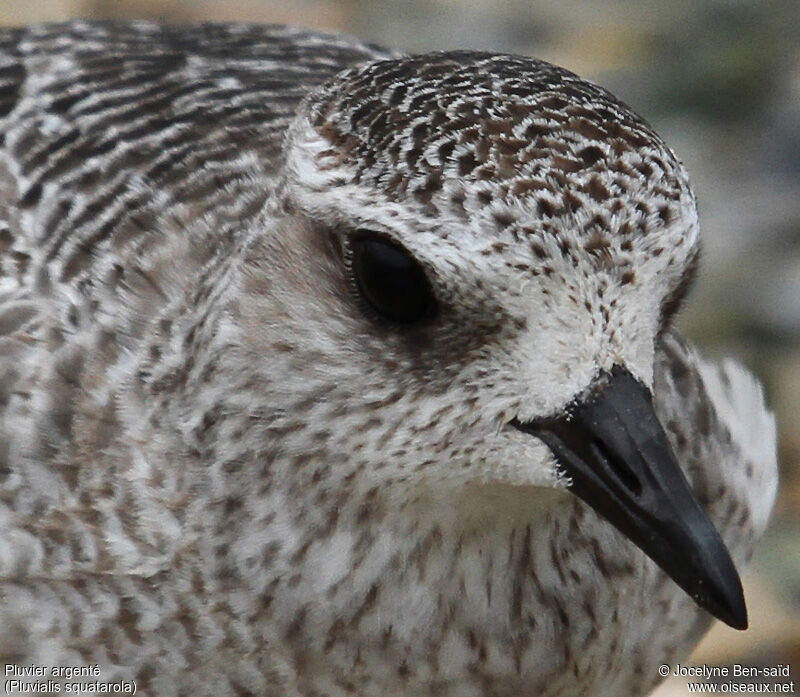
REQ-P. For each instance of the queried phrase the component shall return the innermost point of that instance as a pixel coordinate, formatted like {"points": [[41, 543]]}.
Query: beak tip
{"points": [[736, 618], [740, 622], [725, 600], [734, 612]]}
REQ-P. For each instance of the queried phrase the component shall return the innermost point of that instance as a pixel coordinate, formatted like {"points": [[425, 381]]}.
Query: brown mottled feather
{"points": [[218, 476]]}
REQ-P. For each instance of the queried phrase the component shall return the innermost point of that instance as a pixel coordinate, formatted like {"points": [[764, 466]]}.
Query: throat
{"points": [[474, 583], [480, 582], [486, 557]]}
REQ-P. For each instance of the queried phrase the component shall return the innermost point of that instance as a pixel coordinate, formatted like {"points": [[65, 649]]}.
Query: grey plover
{"points": [[332, 371]]}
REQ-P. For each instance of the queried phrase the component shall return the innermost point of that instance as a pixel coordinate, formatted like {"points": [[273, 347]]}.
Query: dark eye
{"points": [[390, 280]]}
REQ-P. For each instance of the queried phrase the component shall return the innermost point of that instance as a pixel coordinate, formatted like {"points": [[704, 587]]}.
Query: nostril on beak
{"points": [[625, 475]]}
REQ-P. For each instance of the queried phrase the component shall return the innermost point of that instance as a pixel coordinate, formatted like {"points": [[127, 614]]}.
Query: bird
{"points": [[328, 369]]}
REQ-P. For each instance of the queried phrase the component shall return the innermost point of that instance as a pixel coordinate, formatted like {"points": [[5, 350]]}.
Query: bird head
{"points": [[472, 259]]}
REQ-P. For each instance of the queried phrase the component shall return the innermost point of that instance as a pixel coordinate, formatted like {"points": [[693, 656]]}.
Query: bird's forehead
{"points": [[440, 128]]}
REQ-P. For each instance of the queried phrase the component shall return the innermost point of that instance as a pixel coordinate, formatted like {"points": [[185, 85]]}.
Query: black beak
{"points": [[616, 453]]}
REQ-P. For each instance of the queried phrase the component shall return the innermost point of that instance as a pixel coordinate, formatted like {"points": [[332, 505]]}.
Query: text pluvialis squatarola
{"points": [[321, 381]]}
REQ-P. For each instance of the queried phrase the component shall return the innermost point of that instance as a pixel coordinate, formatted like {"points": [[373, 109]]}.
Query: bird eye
{"points": [[391, 282]]}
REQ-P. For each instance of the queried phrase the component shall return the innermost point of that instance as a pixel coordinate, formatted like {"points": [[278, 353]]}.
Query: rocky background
{"points": [[720, 80]]}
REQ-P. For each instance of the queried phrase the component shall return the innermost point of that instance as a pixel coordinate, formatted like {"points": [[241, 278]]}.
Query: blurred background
{"points": [[720, 80]]}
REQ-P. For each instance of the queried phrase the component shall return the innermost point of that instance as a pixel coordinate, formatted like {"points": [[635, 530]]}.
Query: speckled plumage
{"points": [[219, 474]]}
